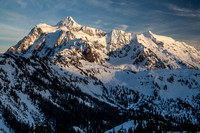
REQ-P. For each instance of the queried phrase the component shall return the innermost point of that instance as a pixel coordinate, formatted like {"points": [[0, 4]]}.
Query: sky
{"points": [[179, 19]]}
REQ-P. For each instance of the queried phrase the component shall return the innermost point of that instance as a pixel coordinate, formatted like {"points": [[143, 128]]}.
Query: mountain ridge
{"points": [[96, 80], [155, 49]]}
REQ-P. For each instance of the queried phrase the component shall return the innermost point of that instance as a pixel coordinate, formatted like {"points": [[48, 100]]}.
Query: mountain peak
{"points": [[69, 22], [148, 33], [70, 19], [115, 30]]}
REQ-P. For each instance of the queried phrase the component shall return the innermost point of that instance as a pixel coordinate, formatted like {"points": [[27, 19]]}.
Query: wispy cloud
{"points": [[194, 41], [12, 16], [122, 27], [98, 22], [21, 3], [15, 39], [184, 11], [101, 3], [11, 33], [120, 7], [3, 48]]}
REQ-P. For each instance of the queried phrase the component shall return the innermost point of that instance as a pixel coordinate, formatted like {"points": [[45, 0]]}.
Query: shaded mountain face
{"points": [[73, 78]]}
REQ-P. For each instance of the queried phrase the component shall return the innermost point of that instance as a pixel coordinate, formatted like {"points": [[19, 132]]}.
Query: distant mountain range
{"points": [[73, 78]]}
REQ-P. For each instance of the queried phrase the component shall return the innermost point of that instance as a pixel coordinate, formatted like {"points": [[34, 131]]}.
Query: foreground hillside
{"points": [[73, 78], [34, 91]]}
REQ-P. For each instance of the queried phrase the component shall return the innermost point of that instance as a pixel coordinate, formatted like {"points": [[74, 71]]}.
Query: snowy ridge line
{"points": [[70, 41]]}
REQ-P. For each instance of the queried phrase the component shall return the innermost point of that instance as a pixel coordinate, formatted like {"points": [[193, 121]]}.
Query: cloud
{"points": [[106, 23], [98, 22], [122, 27], [110, 6], [122, 3], [21, 3], [13, 16], [194, 41], [11, 33], [184, 11], [3, 48], [100, 3], [10, 38], [175, 8]]}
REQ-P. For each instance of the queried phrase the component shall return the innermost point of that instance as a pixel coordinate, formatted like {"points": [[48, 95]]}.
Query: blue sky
{"points": [[179, 19]]}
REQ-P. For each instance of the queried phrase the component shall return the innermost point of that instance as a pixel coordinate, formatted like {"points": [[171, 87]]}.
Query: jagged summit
{"points": [[148, 33], [153, 36], [69, 22], [42, 24], [117, 31]]}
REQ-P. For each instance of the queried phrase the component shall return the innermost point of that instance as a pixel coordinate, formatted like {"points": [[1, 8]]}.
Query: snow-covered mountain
{"points": [[97, 80], [145, 51]]}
